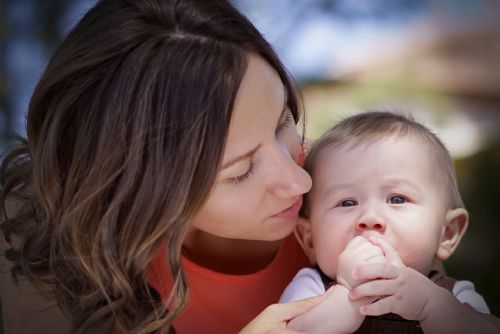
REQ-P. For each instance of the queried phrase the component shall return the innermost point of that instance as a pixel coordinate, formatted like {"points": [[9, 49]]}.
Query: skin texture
{"points": [[237, 229]]}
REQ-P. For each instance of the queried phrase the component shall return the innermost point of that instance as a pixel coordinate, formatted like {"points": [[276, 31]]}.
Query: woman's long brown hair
{"points": [[125, 132]]}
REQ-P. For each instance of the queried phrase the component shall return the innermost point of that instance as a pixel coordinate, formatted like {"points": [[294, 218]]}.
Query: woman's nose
{"points": [[287, 179]]}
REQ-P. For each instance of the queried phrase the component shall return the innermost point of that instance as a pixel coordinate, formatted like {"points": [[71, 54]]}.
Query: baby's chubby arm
{"points": [[413, 296], [336, 313]]}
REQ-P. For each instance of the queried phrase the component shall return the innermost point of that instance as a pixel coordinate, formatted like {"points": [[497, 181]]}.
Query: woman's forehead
{"points": [[259, 103]]}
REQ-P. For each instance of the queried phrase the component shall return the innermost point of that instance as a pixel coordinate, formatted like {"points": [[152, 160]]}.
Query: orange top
{"points": [[221, 303]]}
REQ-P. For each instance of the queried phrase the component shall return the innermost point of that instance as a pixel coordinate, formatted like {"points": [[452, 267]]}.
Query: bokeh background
{"points": [[436, 59]]}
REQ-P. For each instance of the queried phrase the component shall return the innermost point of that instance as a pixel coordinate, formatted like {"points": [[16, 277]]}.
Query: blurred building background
{"points": [[436, 59]]}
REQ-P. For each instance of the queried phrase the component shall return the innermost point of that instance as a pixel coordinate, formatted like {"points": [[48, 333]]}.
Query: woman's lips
{"points": [[292, 211]]}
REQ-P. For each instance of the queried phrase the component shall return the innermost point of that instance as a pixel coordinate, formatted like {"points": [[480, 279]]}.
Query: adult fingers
{"points": [[288, 311], [275, 317]]}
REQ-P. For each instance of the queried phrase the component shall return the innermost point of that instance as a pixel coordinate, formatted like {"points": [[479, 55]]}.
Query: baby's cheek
{"points": [[329, 269], [328, 261], [420, 260]]}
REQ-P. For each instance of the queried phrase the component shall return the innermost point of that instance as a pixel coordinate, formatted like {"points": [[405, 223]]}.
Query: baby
{"points": [[383, 212]]}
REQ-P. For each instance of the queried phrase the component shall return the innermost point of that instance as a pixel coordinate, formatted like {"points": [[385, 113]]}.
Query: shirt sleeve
{"points": [[465, 293], [306, 283]]}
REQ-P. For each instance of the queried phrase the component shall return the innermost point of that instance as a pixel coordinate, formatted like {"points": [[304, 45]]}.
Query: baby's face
{"points": [[390, 188]]}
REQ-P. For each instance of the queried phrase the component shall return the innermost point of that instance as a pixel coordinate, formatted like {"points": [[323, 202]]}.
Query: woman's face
{"points": [[259, 187]]}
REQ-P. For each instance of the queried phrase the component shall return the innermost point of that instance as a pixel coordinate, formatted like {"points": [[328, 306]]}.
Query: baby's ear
{"points": [[456, 222], [304, 236]]}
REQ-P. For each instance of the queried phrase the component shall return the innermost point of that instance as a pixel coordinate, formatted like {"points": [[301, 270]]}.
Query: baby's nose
{"points": [[370, 223]]}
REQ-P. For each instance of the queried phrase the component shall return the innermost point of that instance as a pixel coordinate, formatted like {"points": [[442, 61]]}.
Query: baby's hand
{"points": [[358, 253], [401, 289]]}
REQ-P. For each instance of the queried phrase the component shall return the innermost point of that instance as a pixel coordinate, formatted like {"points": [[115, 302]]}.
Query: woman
{"points": [[161, 144]]}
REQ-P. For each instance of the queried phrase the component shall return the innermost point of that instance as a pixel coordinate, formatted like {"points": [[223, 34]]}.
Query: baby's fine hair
{"points": [[371, 126]]}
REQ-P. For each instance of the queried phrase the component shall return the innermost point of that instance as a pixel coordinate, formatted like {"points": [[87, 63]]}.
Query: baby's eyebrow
{"points": [[338, 187], [401, 181]]}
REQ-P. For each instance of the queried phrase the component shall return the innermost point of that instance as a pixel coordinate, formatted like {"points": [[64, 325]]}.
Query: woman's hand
{"points": [[275, 317]]}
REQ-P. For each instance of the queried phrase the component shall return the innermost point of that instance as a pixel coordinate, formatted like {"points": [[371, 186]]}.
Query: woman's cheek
{"points": [[291, 140]]}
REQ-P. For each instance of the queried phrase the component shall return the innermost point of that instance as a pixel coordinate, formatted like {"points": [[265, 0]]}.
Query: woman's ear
{"points": [[456, 222], [304, 236]]}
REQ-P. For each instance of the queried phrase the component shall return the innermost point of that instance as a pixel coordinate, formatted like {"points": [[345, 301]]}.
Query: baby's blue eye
{"points": [[397, 199], [348, 202]]}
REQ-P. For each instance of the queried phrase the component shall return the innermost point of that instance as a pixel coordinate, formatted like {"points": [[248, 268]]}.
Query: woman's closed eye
{"points": [[286, 120], [244, 176]]}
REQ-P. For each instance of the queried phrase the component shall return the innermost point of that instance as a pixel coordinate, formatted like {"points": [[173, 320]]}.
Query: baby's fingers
{"points": [[375, 271], [377, 288], [390, 253], [381, 306]]}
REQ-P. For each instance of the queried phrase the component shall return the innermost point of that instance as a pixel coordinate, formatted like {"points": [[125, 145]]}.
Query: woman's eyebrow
{"points": [[241, 157]]}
